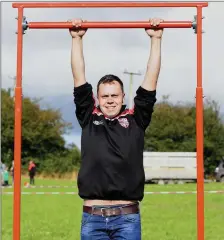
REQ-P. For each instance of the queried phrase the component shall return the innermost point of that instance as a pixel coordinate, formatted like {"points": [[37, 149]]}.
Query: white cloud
{"points": [[180, 54], [46, 59], [46, 53]]}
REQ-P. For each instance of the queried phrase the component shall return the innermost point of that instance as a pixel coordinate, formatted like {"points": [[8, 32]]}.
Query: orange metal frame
{"points": [[146, 24], [18, 88]]}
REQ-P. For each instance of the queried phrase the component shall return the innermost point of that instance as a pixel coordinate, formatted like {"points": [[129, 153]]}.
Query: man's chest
{"points": [[120, 136], [120, 126]]}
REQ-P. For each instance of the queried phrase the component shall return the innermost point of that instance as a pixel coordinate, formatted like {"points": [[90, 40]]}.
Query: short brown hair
{"points": [[108, 79]]}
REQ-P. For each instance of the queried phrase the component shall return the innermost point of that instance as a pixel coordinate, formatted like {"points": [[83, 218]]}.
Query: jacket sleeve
{"points": [[143, 106], [84, 101]]}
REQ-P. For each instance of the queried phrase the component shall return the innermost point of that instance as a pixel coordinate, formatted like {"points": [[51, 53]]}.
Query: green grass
{"points": [[164, 217]]}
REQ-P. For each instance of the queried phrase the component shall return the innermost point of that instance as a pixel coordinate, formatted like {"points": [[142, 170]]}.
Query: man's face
{"points": [[110, 97]]}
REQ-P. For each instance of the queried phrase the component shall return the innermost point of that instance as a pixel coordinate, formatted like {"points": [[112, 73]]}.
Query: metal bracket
{"points": [[24, 24], [194, 24], [203, 96]]}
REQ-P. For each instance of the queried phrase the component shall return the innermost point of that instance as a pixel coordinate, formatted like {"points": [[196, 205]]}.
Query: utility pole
{"points": [[131, 85], [11, 89]]}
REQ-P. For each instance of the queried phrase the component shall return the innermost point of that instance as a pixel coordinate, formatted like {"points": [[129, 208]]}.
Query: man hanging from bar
{"points": [[111, 177]]}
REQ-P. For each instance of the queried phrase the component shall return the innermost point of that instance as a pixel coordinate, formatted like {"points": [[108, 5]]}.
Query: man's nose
{"points": [[110, 101]]}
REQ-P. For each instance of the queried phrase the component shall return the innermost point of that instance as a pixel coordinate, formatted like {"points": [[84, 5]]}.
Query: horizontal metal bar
{"points": [[145, 24], [109, 4]]}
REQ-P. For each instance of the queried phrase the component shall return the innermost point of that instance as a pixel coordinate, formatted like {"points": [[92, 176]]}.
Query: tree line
{"points": [[173, 128], [42, 140]]}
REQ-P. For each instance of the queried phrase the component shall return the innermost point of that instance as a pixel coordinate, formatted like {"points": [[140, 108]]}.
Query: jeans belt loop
{"points": [[102, 211], [92, 211], [121, 209]]}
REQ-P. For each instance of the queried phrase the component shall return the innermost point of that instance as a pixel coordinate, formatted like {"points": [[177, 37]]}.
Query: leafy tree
{"points": [[7, 127], [42, 140], [173, 128]]}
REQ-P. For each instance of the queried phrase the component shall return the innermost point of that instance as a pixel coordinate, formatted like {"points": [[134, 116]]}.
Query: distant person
{"points": [[12, 171], [32, 171], [5, 176]]}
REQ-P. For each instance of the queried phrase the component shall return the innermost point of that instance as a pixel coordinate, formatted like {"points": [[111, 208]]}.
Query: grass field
{"points": [[164, 217]]}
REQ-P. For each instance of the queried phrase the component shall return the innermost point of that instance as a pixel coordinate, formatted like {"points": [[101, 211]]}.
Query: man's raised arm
{"points": [[77, 58], [154, 62]]}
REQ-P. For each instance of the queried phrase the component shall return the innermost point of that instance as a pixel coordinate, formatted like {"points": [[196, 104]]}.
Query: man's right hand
{"points": [[77, 58], [76, 31]]}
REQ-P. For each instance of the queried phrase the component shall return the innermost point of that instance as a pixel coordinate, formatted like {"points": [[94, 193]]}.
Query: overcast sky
{"points": [[46, 53]]}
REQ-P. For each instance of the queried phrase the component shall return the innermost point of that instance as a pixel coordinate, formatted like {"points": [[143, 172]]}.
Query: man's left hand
{"points": [[155, 32]]}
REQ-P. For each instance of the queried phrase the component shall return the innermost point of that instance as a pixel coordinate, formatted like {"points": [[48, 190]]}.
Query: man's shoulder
{"points": [[86, 87]]}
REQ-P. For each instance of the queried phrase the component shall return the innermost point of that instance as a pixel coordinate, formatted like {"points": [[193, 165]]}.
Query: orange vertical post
{"points": [[18, 130], [199, 130]]}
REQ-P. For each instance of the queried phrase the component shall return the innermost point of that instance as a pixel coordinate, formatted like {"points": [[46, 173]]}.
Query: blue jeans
{"points": [[122, 227]]}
